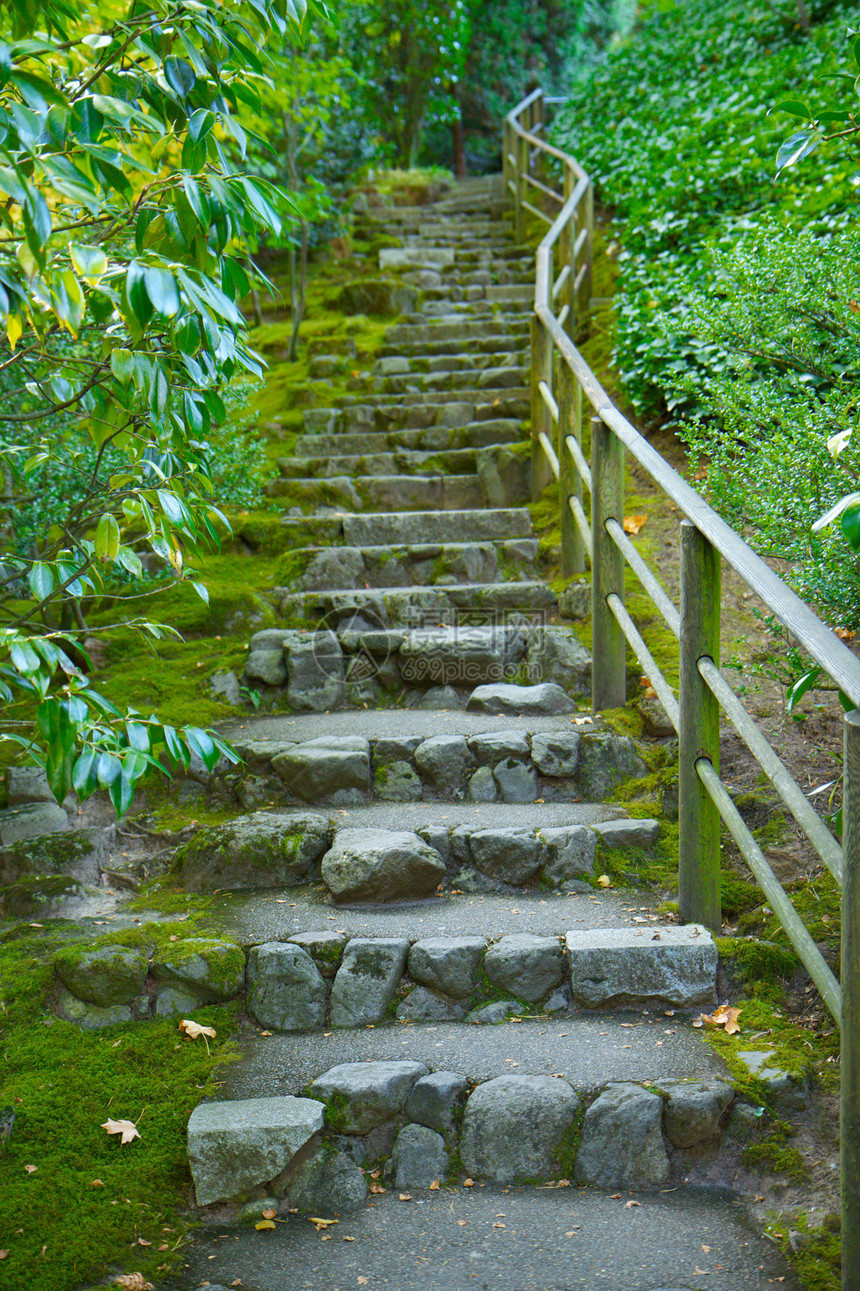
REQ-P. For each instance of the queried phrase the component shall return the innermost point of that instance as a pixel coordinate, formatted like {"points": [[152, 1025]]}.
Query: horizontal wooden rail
{"points": [[651, 585], [579, 459], [652, 669]]}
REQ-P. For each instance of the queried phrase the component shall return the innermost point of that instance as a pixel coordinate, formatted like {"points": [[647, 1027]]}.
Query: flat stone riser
{"points": [[460, 461], [403, 411], [455, 378], [418, 565], [402, 363], [403, 607], [403, 527], [452, 414], [320, 979], [433, 439], [380, 492], [504, 344]]}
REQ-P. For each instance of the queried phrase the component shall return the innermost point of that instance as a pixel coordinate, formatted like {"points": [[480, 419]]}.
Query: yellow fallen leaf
{"points": [[193, 1030], [347, 1238], [31, 1169], [632, 524], [362, 1282], [499, 1225], [628, 1205], [377, 1187], [4, 1255], [96, 1183], [261, 1224], [468, 1183], [604, 881], [320, 1224], [127, 1129], [406, 1196], [724, 1016], [141, 1241], [462, 1222], [434, 1187]]}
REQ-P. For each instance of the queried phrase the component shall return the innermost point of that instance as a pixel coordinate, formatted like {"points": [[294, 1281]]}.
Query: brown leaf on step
{"points": [[269, 1214], [462, 1222], [406, 1196], [724, 1016], [700, 1273], [499, 1225], [237, 1282], [628, 1205], [346, 1238], [127, 1129], [845, 634], [632, 524], [615, 1196], [362, 1282], [434, 1187], [320, 1224], [468, 1183], [377, 1187]]}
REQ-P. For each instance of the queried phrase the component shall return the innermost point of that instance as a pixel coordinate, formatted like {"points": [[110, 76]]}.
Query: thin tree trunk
{"points": [[457, 142]]}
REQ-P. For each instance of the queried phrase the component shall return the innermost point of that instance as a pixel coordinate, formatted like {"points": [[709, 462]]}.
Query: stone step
{"points": [[388, 492], [458, 461], [497, 352], [480, 346], [312, 568], [477, 434], [510, 292], [454, 376], [404, 527], [396, 607], [453, 329], [452, 1242], [504, 401]]}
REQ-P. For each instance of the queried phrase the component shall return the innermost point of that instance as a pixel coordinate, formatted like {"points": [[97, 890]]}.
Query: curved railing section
{"points": [[563, 391]]}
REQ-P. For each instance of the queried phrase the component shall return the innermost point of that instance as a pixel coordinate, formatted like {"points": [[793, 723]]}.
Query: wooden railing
{"points": [[564, 390]]}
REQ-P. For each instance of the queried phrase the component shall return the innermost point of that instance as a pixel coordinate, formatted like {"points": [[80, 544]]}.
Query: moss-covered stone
{"points": [[104, 975], [265, 850], [214, 969]]}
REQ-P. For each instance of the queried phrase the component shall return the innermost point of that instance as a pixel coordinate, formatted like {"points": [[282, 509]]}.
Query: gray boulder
{"points": [[525, 964], [326, 1183], [448, 964], [435, 1099], [505, 476], [176, 1002], [556, 753], [367, 980], [236, 1146], [27, 785], [495, 746], [263, 850], [517, 781], [789, 1091], [606, 761], [361, 1095], [105, 976], [424, 1005], [556, 655], [92, 1017], [439, 699], [617, 966], [443, 761], [381, 865], [520, 701], [268, 666], [508, 855], [214, 970], [518, 1127], [315, 672], [31, 820], [397, 782], [570, 851], [622, 1141], [325, 768], [495, 1012], [692, 1110], [419, 1157], [482, 786], [378, 296], [628, 833], [285, 988], [325, 948]]}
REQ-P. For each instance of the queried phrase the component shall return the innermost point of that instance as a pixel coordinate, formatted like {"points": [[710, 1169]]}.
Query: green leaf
{"points": [[41, 580], [136, 292], [162, 291], [201, 590], [180, 76], [122, 365], [851, 525], [799, 688], [109, 768], [796, 147], [84, 774], [202, 744], [107, 538], [794, 107], [121, 793], [90, 262]]}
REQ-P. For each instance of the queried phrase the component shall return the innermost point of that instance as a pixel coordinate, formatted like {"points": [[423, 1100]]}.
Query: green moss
{"points": [[815, 1252], [337, 1115], [63, 1083], [773, 1155]]}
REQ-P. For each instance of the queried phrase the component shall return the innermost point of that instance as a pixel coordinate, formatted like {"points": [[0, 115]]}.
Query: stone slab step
{"points": [[413, 412], [588, 1051], [511, 292], [388, 492], [458, 461], [390, 723], [401, 606], [479, 434], [420, 564], [450, 1242], [454, 378], [452, 329], [405, 527], [494, 352]]}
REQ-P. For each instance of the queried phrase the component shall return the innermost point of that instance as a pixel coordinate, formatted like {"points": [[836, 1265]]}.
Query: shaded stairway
{"points": [[503, 1019]]}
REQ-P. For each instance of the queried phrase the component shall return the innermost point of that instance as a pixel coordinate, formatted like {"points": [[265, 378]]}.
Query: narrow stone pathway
{"points": [[434, 964]]}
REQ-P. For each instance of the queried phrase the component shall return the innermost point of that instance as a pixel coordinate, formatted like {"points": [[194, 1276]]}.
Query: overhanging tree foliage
{"points": [[123, 224]]}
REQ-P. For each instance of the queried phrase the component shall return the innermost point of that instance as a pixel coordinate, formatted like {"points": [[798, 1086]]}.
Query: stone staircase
{"points": [[448, 1016]]}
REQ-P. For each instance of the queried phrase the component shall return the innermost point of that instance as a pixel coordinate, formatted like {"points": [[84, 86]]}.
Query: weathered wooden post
{"points": [[569, 482], [849, 1094], [608, 653], [699, 735], [541, 370]]}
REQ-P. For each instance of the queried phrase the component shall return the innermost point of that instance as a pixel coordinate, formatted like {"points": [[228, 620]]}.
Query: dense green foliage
{"points": [[123, 240], [738, 290]]}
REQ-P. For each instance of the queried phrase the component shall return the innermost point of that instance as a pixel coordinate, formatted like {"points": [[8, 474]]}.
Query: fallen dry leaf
{"points": [[262, 1224], [434, 1187], [628, 1205], [4, 1255], [96, 1183], [845, 634], [632, 524], [406, 1196], [468, 1183], [724, 1016], [141, 1241], [583, 721], [269, 1214], [499, 1225], [347, 1239], [377, 1187], [320, 1224], [362, 1282], [31, 1169], [133, 1282], [193, 1030], [604, 881], [127, 1129], [462, 1222]]}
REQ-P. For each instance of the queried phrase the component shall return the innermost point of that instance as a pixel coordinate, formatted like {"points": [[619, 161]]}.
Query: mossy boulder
{"points": [[262, 850], [214, 969], [40, 894], [61, 853], [378, 296], [102, 975]]}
